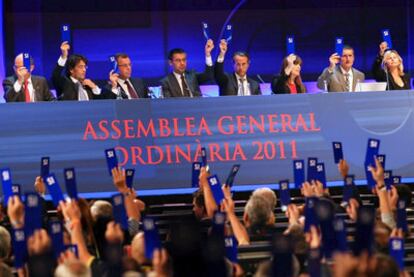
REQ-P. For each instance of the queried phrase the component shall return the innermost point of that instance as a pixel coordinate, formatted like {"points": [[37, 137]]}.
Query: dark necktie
{"points": [[186, 90], [242, 92], [347, 86], [131, 90]]}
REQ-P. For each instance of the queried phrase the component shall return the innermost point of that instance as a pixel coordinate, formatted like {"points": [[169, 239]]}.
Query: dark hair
{"points": [[298, 80], [175, 51], [242, 54], [198, 197], [121, 56], [347, 47], [73, 61]]}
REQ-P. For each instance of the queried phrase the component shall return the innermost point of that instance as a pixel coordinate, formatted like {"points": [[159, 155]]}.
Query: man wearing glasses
{"points": [[121, 83], [73, 85], [25, 87]]}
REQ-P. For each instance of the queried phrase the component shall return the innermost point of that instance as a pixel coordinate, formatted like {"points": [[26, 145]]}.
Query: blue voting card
{"points": [[56, 234], [206, 32], [151, 237], [33, 213], [129, 176], [74, 249], [320, 174], [370, 180], [388, 179], [65, 33], [284, 194], [339, 45], [381, 159], [215, 186], [290, 45], [396, 180], [364, 235], [26, 61], [44, 166], [348, 189], [19, 247], [402, 215], [218, 221], [314, 262], [228, 33], [310, 215], [70, 182], [233, 172], [54, 189], [397, 251], [7, 184], [111, 159], [338, 152], [195, 174], [386, 36], [299, 173], [16, 190], [325, 212], [120, 215], [340, 234], [282, 255], [114, 65], [312, 162], [230, 244], [372, 151], [204, 157]]}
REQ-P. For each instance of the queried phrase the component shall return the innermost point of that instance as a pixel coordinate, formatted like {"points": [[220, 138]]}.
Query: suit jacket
{"points": [[137, 83], [41, 90], [66, 89], [381, 76], [228, 83], [336, 80], [171, 87]]}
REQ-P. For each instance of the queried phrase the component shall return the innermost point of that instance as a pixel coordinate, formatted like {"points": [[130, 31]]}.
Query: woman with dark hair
{"points": [[289, 81]]}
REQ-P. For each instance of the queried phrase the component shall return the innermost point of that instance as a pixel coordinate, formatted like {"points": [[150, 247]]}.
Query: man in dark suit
{"points": [[73, 85], [122, 85], [184, 83], [25, 87], [237, 83]]}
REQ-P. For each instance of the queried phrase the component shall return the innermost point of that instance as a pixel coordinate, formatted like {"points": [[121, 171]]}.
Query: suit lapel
{"points": [[175, 86], [234, 83], [341, 78]]}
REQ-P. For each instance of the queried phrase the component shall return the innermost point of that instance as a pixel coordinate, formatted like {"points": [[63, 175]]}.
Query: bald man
{"points": [[25, 87]]}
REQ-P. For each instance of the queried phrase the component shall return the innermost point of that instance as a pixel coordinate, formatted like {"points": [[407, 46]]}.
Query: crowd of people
{"points": [[311, 245], [71, 83]]}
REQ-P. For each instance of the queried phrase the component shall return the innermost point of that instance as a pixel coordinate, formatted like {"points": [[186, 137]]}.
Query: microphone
{"points": [[260, 79]]}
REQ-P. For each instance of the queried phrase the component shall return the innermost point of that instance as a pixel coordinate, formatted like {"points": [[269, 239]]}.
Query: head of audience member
{"points": [[258, 213], [241, 63], [19, 66], [384, 265], [381, 236], [5, 270], [124, 65], [73, 268], [199, 209], [404, 193], [268, 194], [347, 57], [393, 61], [5, 243], [138, 248], [101, 209], [76, 67], [177, 58]]}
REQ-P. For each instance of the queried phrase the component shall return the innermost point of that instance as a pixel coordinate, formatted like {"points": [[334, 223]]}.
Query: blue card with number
{"points": [[228, 33], [56, 234], [233, 172], [44, 166], [33, 213], [206, 32], [54, 189], [339, 45], [402, 215], [111, 159], [230, 244], [26, 61], [325, 212], [338, 152], [370, 180], [348, 189], [312, 162], [340, 234], [17, 190], [386, 36], [215, 186], [364, 236], [65, 33], [299, 173], [310, 215], [314, 262], [195, 174], [284, 194], [388, 179], [396, 180], [290, 45], [372, 151], [129, 177], [7, 184], [397, 251], [114, 64], [120, 215], [70, 182], [151, 237], [381, 159], [19, 247], [218, 221], [320, 174], [204, 157]]}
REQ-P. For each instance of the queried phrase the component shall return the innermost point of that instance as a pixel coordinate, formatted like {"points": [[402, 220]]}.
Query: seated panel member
{"points": [[289, 80], [340, 76], [236, 83], [73, 85], [393, 72], [25, 87], [184, 83], [129, 88]]}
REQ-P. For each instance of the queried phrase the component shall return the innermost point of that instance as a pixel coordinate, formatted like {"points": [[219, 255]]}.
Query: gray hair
{"points": [[73, 268], [268, 194], [5, 243], [101, 208], [258, 210]]}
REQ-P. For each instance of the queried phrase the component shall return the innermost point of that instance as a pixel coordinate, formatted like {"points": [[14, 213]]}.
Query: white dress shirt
{"points": [[17, 87]]}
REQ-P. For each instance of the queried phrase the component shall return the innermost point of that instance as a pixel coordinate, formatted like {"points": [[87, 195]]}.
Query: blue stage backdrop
{"points": [[146, 30], [161, 138]]}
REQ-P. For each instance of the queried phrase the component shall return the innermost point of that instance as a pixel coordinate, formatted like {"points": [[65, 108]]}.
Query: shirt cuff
{"points": [[209, 61], [115, 91], [96, 90], [17, 86], [220, 59], [62, 61]]}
